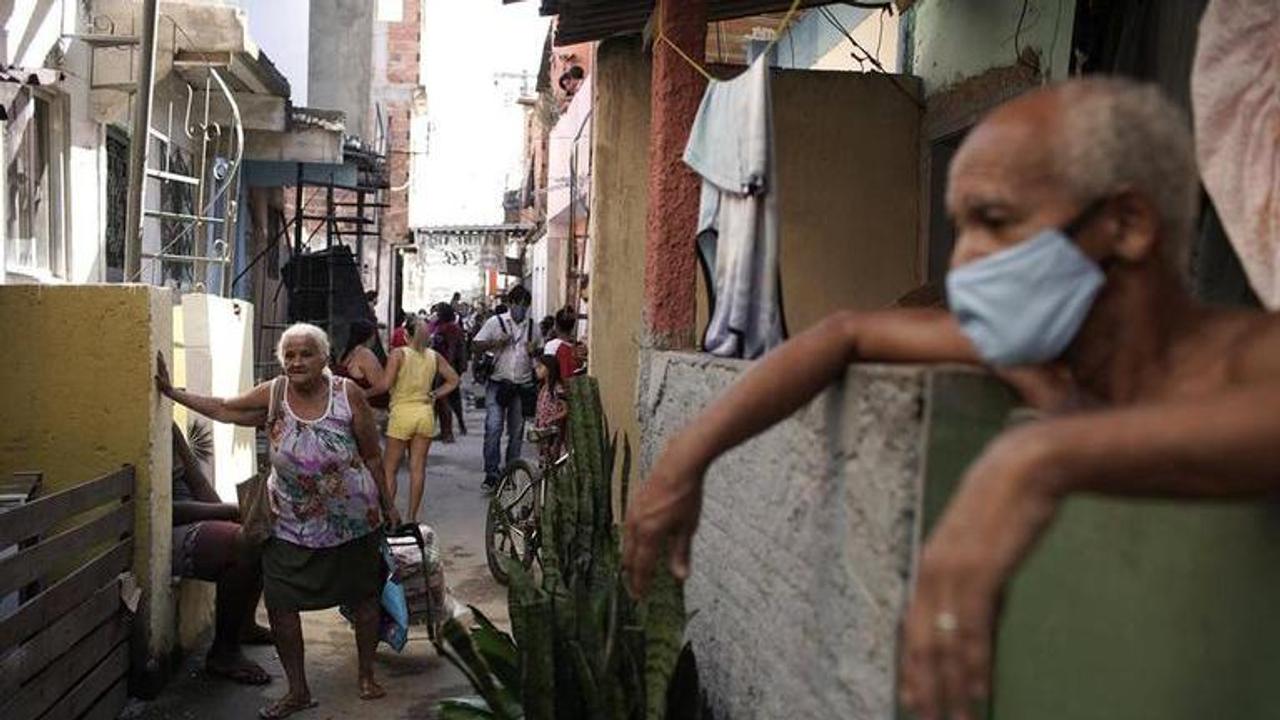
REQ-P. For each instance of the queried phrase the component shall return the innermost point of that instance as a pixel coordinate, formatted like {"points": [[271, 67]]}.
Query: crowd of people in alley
{"points": [[339, 426]]}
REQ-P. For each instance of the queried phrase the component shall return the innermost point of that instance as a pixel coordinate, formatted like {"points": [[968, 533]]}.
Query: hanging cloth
{"points": [[731, 148], [1235, 95]]}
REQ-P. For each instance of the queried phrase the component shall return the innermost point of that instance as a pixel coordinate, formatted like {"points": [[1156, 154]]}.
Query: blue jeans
{"points": [[494, 418]]}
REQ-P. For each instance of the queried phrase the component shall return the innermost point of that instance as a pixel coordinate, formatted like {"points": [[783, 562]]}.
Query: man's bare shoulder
{"points": [[1250, 343]]}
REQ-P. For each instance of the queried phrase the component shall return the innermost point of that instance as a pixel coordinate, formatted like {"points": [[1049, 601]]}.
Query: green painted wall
{"points": [[1127, 609], [953, 40]]}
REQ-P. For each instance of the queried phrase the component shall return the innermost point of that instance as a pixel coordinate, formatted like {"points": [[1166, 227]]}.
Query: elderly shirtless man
{"points": [[1074, 207]]}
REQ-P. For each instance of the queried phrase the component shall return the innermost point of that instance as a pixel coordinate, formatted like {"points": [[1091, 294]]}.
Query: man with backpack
{"points": [[510, 393]]}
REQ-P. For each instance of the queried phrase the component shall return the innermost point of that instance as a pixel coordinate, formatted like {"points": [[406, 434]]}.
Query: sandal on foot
{"points": [[372, 692], [284, 707], [246, 673]]}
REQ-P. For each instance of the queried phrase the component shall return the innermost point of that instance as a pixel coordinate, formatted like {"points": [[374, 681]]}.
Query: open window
{"points": [[35, 177]]}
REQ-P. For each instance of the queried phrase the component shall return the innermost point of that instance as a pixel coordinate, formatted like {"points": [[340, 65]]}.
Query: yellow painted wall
{"points": [[619, 201], [79, 401]]}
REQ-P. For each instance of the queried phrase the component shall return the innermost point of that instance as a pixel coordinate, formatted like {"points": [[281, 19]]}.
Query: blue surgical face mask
{"points": [[1024, 305], [519, 312]]}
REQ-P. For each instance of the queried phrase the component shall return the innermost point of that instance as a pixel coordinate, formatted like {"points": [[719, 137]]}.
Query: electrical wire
{"points": [[880, 33], [1017, 37], [662, 37], [835, 22]]}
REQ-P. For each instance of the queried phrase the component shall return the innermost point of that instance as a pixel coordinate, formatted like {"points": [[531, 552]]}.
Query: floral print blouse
{"points": [[322, 495]]}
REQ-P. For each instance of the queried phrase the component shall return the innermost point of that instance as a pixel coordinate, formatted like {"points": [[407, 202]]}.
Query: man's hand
{"points": [[163, 383], [1003, 504], [663, 516]]}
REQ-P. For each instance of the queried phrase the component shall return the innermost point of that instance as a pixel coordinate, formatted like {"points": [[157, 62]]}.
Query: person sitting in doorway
{"points": [[207, 545], [1074, 208]]}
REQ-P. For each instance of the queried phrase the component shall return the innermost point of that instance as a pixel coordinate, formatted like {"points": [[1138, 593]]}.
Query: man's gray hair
{"points": [[303, 331], [1121, 134]]}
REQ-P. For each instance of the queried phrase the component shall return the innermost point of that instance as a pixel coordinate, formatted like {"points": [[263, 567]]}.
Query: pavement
{"points": [[416, 679]]}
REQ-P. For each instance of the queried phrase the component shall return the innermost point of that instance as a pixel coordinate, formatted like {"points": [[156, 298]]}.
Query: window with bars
{"points": [[117, 201]]}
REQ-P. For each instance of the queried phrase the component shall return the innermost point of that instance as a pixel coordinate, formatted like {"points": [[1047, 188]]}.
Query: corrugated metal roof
{"points": [[587, 20]]}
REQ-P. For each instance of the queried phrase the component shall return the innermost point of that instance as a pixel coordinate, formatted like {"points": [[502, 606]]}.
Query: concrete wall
{"points": [[802, 555], [81, 402], [213, 347], [340, 60]]}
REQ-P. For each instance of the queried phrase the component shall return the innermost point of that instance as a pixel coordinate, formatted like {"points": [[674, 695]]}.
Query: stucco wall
{"points": [[80, 402], [619, 203], [953, 41], [802, 555], [213, 347], [847, 146]]}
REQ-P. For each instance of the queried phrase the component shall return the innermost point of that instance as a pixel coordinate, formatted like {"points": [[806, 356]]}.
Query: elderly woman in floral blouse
{"points": [[328, 502]]}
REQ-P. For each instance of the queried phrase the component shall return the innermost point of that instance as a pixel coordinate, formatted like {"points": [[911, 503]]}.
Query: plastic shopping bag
{"points": [[393, 622]]}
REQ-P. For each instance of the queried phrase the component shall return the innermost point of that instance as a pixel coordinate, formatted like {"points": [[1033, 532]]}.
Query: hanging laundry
{"points": [[731, 147], [1235, 95]]}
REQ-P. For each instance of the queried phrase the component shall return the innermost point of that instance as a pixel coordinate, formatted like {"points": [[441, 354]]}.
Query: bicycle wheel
{"points": [[511, 524]]}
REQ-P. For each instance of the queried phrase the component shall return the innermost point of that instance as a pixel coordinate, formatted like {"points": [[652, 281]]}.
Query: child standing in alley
{"points": [[552, 409]]}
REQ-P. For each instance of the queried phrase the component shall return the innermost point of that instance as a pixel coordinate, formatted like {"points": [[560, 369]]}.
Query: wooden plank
{"points": [[57, 680], [36, 517], [65, 594], [81, 698], [108, 706], [18, 570], [33, 655], [20, 487]]}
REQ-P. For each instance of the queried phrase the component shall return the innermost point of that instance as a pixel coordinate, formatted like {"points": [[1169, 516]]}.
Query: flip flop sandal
{"points": [[280, 709], [368, 694]]}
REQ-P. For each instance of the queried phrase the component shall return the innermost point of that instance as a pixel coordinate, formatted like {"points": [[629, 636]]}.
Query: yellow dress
{"points": [[412, 413]]}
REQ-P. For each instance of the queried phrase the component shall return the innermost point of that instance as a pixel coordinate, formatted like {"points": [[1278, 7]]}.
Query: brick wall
{"points": [[404, 52]]}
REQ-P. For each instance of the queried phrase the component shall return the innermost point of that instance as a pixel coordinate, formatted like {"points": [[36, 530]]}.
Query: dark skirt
{"points": [[301, 578]]}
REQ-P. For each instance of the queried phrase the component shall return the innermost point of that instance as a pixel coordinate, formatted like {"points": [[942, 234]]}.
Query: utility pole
{"points": [[140, 142]]}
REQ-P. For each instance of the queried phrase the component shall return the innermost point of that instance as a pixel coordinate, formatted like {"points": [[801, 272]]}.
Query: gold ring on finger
{"points": [[946, 622]]}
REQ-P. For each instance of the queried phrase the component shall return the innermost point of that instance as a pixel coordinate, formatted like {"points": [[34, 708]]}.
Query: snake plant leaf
{"points": [[663, 619], [502, 700], [531, 614], [497, 648], [472, 707]]}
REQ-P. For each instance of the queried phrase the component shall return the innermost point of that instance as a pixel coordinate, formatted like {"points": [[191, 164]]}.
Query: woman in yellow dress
{"points": [[410, 373]]}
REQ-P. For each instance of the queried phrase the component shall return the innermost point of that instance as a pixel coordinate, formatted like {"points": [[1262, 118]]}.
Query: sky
{"points": [[474, 137]]}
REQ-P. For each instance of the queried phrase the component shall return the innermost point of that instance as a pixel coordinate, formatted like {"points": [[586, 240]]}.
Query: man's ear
{"points": [[1134, 226]]}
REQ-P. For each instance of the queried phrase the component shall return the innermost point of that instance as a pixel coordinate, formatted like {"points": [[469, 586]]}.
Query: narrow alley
{"points": [[852, 360], [416, 679]]}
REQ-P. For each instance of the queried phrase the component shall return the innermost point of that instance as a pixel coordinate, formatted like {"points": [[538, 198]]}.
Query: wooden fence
{"points": [[64, 651]]}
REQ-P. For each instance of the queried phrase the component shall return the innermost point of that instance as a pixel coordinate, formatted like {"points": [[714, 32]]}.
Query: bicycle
{"points": [[513, 523]]}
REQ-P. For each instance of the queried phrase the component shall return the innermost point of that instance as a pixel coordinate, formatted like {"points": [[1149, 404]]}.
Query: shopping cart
{"points": [[421, 573]]}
